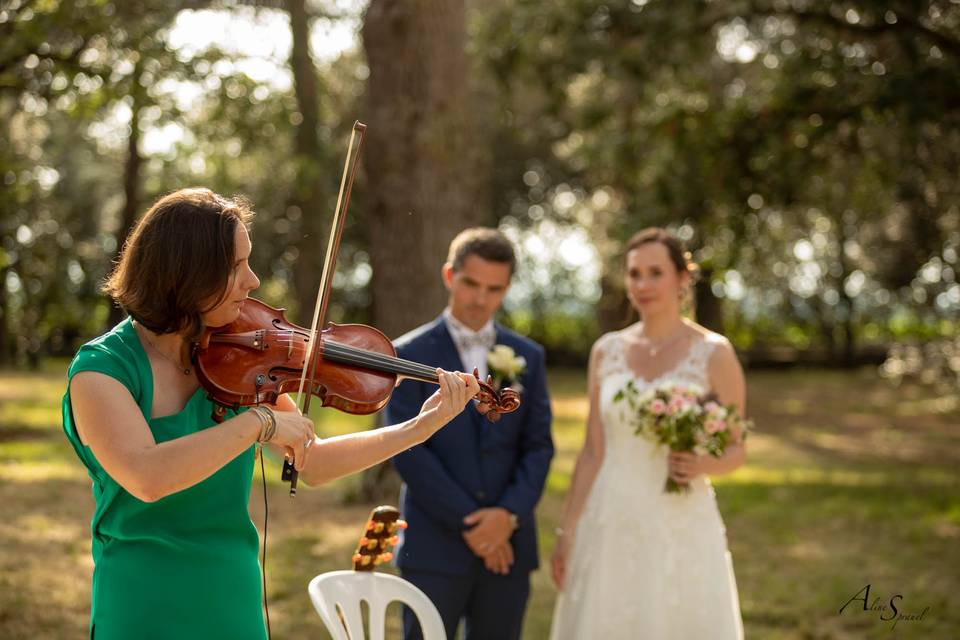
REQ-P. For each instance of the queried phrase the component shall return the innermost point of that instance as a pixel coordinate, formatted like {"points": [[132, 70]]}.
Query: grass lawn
{"points": [[850, 482]]}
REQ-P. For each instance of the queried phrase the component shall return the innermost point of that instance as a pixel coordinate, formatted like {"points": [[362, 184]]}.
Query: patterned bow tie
{"points": [[468, 342]]}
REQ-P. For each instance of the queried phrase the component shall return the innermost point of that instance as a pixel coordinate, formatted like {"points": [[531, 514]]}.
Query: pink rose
{"points": [[658, 406], [711, 406], [715, 426], [676, 404]]}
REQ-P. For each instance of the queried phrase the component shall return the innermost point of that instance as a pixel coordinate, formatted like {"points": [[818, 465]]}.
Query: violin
{"points": [[261, 355], [351, 367]]}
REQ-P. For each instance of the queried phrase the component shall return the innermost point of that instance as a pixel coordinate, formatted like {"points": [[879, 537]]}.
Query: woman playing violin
{"points": [[174, 548]]}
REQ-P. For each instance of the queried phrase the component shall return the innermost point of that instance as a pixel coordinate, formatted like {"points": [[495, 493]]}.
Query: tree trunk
{"points": [[6, 351], [131, 180], [424, 165], [708, 308], [308, 190], [613, 309], [426, 170]]}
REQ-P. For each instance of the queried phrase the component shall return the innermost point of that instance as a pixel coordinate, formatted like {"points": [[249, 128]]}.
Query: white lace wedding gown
{"points": [[647, 565]]}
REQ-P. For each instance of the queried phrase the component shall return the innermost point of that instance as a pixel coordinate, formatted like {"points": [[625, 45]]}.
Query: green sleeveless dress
{"points": [[186, 565]]}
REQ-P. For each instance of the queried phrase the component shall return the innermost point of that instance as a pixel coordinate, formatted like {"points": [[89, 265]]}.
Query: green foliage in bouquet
{"points": [[683, 418]]}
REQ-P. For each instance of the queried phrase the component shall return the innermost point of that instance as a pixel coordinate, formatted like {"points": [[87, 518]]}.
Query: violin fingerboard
{"points": [[379, 534]]}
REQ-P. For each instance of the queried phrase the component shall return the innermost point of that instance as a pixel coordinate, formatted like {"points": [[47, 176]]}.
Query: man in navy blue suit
{"points": [[470, 491]]}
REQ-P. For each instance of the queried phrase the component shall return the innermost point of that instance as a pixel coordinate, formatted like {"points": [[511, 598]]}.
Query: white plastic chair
{"points": [[347, 589]]}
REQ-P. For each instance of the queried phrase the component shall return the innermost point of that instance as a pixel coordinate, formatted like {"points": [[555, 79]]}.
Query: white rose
{"points": [[504, 361]]}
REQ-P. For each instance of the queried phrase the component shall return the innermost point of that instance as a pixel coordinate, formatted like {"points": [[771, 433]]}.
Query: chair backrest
{"points": [[348, 588]]}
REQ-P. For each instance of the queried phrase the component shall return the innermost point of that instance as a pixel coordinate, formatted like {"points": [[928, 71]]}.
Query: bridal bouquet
{"points": [[682, 418]]}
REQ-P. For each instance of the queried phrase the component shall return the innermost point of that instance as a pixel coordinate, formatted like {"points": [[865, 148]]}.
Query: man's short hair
{"points": [[486, 243]]}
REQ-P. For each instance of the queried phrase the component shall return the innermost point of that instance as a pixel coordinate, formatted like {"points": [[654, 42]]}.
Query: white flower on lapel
{"points": [[505, 365]]}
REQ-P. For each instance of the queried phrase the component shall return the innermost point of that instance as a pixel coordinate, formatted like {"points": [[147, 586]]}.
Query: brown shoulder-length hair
{"points": [[177, 260]]}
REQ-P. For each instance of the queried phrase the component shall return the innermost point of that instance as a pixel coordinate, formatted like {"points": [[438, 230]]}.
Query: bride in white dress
{"points": [[632, 561]]}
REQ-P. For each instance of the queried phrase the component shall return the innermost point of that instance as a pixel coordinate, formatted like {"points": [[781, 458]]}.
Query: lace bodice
{"points": [[690, 369], [622, 445]]}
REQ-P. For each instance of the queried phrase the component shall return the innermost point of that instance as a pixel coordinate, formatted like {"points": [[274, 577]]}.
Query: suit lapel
{"points": [[485, 426], [447, 355]]}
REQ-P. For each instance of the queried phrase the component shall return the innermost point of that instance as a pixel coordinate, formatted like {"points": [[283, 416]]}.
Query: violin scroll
{"points": [[493, 403]]}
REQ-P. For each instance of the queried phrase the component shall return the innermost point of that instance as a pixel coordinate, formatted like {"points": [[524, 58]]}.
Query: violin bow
{"points": [[350, 164]]}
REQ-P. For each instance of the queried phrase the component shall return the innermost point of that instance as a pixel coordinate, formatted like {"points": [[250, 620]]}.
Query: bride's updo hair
{"points": [[679, 256]]}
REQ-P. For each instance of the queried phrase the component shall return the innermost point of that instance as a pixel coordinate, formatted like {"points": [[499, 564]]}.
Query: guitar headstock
{"points": [[379, 533]]}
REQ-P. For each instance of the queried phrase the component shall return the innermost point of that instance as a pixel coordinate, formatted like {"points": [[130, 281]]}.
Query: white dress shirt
{"points": [[473, 346]]}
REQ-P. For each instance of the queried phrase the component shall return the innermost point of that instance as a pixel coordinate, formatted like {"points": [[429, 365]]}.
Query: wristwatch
{"points": [[514, 521]]}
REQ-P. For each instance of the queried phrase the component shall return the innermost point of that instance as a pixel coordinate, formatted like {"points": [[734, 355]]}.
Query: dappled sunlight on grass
{"points": [[30, 415], [756, 475], [943, 405], [33, 471], [848, 482]]}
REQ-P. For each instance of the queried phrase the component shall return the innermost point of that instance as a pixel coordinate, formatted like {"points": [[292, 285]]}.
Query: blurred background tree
{"points": [[806, 151]]}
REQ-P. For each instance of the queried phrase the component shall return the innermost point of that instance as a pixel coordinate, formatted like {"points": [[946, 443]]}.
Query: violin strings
{"points": [[355, 355], [373, 360], [360, 356], [372, 356]]}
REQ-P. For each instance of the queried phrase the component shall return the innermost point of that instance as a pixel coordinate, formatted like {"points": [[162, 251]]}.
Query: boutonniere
{"points": [[506, 367]]}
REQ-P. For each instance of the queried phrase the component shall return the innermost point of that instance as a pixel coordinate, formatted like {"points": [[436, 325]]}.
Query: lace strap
{"points": [[694, 365], [610, 354]]}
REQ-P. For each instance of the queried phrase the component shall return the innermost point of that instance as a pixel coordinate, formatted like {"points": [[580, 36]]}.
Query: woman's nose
{"points": [[253, 281]]}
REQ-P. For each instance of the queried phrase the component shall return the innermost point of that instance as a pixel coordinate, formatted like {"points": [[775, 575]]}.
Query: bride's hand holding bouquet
{"points": [[693, 425]]}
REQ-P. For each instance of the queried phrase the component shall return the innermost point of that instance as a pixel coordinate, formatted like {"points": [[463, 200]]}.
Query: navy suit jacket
{"points": [[470, 463]]}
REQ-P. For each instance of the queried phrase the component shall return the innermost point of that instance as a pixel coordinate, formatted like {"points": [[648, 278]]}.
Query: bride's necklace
{"points": [[656, 347], [178, 365]]}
